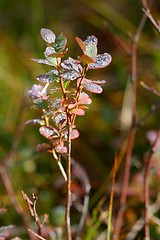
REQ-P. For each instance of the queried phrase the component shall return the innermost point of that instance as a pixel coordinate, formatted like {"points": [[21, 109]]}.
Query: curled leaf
{"points": [[100, 82], [81, 44], [35, 122], [47, 35], [101, 61]]}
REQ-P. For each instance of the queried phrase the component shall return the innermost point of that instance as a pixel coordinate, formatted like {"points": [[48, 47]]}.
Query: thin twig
{"points": [[33, 211], [132, 133], [146, 187], [36, 235], [68, 220], [149, 15], [149, 88]]}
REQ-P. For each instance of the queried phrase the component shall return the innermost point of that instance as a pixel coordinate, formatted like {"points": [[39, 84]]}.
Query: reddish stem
{"points": [[132, 134]]}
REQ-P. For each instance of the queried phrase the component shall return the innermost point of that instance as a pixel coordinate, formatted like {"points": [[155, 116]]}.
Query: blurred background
{"points": [[106, 123]]}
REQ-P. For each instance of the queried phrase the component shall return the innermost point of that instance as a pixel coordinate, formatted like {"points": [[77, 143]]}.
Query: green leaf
{"points": [[66, 84], [53, 61], [91, 46], [60, 42], [91, 50], [40, 103]]}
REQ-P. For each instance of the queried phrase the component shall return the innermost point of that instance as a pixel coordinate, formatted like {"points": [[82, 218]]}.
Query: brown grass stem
{"points": [[146, 188], [132, 134], [111, 199]]}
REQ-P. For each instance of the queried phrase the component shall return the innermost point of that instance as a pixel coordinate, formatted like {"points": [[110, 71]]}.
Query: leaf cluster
{"points": [[63, 92]]}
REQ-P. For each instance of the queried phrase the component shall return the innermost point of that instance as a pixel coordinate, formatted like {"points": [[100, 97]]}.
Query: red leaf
{"points": [[81, 44], [48, 132], [78, 111], [84, 99], [86, 59], [91, 87], [74, 134]]}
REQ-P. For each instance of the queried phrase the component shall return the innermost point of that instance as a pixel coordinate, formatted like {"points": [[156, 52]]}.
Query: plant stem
{"points": [[132, 134], [68, 206], [111, 199], [146, 188]]}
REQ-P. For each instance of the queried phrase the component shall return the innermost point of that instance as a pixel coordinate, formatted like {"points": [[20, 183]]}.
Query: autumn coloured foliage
{"points": [[64, 94], [64, 89]]}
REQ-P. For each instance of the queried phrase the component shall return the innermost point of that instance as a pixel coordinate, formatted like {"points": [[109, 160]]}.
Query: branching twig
{"points": [[149, 15], [32, 209]]}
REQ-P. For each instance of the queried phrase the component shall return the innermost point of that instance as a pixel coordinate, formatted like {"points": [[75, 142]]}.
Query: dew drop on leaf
{"points": [[101, 61], [47, 132], [70, 75], [91, 39], [91, 87], [48, 51], [42, 61], [48, 77], [47, 35], [35, 91]]}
